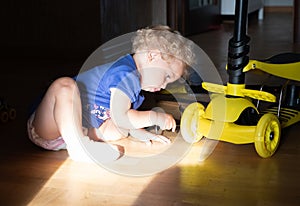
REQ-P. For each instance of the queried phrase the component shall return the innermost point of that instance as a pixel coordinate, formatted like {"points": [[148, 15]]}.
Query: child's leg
{"points": [[59, 114], [111, 132]]}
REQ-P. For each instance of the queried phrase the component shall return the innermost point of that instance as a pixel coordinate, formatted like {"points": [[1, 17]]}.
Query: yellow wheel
{"points": [[189, 122], [267, 135]]}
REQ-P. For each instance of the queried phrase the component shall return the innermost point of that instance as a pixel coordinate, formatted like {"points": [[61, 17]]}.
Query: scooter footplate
{"points": [[287, 116]]}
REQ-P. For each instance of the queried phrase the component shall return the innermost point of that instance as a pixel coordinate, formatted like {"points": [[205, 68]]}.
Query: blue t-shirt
{"points": [[95, 85]]}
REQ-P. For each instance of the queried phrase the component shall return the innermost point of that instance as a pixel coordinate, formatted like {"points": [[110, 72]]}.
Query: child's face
{"points": [[159, 72]]}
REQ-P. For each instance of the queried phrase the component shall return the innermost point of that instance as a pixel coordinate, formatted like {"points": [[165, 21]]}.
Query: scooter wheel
{"points": [[189, 122], [4, 116], [12, 114], [267, 135]]}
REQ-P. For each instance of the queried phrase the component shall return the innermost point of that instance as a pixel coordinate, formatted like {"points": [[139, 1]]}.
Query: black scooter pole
{"points": [[238, 47]]}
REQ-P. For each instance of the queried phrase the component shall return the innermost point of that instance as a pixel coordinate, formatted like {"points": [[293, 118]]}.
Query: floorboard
{"points": [[230, 175]]}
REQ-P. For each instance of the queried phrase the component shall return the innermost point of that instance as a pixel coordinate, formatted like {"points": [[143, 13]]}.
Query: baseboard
{"points": [[278, 8]]}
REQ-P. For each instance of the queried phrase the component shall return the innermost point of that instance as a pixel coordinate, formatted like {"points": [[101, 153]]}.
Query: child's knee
{"points": [[115, 134], [110, 132], [65, 85], [65, 82]]}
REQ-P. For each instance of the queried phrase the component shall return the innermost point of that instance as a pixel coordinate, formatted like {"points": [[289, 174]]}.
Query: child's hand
{"points": [[165, 121], [161, 139], [155, 138], [148, 137]]}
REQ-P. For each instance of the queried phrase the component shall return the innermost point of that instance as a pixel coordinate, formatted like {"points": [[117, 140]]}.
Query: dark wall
{"points": [[122, 16], [75, 28], [66, 28], [192, 17], [55, 27]]}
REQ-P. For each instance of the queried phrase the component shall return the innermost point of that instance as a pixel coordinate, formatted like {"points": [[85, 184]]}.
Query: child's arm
{"points": [[125, 117]]}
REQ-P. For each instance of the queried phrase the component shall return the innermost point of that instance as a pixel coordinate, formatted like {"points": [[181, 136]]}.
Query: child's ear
{"points": [[153, 54]]}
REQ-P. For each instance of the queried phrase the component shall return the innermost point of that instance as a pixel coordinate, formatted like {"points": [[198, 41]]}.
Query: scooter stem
{"points": [[238, 47]]}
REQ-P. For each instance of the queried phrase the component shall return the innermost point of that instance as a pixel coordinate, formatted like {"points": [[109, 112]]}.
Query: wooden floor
{"points": [[231, 175]]}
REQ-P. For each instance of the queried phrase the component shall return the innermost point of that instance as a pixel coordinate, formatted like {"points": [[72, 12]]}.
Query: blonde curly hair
{"points": [[169, 42]]}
